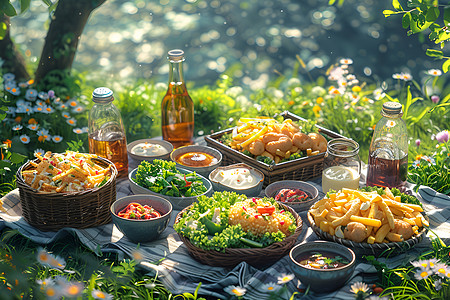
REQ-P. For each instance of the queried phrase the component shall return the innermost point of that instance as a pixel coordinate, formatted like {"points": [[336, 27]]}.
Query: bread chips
{"points": [[67, 172], [368, 217]]}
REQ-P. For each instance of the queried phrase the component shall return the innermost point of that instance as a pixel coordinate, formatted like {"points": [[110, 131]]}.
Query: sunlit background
{"points": [[253, 40]]}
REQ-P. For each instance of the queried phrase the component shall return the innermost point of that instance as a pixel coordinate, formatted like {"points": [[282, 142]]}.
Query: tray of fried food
{"points": [[267, 137], [361, 217], [66, 172]]}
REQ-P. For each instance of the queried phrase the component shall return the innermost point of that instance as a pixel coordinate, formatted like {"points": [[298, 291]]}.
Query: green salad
{"points": [[162, 177], [207, 224]]}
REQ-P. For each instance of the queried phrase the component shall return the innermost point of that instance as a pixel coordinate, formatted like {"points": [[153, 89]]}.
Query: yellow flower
{"points": [[356, 89], [418, 157], [316, 109], [319, 100], [291, 102]]}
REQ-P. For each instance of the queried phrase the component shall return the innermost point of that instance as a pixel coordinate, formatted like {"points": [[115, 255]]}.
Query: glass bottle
{"points": [[177, 107], [107, 136], [388, 153], [341, 165]]}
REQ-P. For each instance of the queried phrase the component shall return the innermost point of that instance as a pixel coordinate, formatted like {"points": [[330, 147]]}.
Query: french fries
{"points": [[69, 172], [384, 218]]}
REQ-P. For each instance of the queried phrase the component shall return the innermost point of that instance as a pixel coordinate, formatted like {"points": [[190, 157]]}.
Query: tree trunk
{"points": [[63, 35], [13, 59]]}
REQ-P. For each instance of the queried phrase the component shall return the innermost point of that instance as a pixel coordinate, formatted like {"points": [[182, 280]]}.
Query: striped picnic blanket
{"points": [[180, 273]]}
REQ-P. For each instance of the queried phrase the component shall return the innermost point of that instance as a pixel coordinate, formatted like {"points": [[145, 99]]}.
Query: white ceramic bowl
{"points": [[273, 189], [138, 158], [197, 148], [252, 191], [178, 203]]}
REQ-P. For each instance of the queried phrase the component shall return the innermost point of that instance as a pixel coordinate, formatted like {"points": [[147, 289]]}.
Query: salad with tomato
{"points": [[136, 211]]}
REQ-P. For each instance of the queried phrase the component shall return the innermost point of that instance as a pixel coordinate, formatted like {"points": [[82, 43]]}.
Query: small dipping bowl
{"points": [[202, 170], [251, 191], [273, 189], [138, 157], [322, 280], [140, 231]]}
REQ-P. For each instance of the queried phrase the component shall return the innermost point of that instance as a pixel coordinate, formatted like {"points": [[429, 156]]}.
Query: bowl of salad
{"points": [[141, 218], [163, 178], [228, 228], [299, 195]]}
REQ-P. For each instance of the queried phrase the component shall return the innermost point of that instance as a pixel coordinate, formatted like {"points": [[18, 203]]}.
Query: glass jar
{"points": [[388, 152], [341, 165], [177, 107], [106, 131]]}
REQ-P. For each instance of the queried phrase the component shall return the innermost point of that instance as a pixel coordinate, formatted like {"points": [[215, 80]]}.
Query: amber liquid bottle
{"points": [[177, 107], [106, 131]]}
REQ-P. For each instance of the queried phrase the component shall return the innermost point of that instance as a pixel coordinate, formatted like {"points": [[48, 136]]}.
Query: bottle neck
{"points": [[176, 73]]}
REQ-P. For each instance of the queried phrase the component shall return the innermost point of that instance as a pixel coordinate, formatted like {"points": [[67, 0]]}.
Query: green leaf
{"points": [[7, 8], [24, 5], [331, 2], [446, 15], [446, 65], [396, 5], [408, 103], [388, 13], [48, 2], [406, 20], [17, 158], [3, 28], [432, 14]]}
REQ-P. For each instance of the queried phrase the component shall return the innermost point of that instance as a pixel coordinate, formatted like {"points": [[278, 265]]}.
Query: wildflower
{"points": [[285, 278], [346, 61], [316, 109], [78, 109], [417, 142], [441, 269], [25, 139], [8, 143], [39, 151], [23, 84], [43, 135], [406, 77], [33, 127], [336, 73], [390, 123], [57, 138], [422, 274], [32, 121], [17, 127], [443, 136], [51, 93], [319, 100], [43, 95], [15, 91], [360, 290], [31, 94], [291, 102], [235, 290], [78, 130], [270, 287], [85, 129], [435, 99], [45, 282], [66, 115], [97, 294], [52, 292], [425, 268], [72, 289], [8, 77], [350, 77], [434, 72], [429, 159], [356, 89], [72, 103], [318, 90], [48, 110], [71, 122], [11, 111]]}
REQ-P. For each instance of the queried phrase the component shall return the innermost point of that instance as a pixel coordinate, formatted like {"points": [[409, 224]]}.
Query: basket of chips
{"points": [[67, 190]]}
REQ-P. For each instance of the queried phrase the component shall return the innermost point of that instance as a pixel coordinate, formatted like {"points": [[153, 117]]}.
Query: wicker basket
{"points": [[301, 169], [376, 249], [53, 211], [256, 257]]}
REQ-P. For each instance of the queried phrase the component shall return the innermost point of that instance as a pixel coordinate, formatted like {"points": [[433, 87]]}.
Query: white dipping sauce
{"points": [[148, 149], [338, 177], [238, 178]]}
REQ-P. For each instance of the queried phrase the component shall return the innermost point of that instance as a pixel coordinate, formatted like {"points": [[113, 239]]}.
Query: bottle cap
{"points": [[392, 108], [175, 55], [102, 95]]}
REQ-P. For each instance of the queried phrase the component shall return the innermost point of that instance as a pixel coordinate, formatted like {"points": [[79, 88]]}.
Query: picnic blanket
{"points": [[179, 272]]}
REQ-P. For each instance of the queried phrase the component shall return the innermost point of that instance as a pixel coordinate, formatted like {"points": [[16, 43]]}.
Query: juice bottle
{"points": [[177, 107], [106, 132], [388, 153]]}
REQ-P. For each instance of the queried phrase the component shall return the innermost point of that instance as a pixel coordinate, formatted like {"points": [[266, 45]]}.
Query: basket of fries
{"points": [[302, 169], [369, 223], [71, 190]]}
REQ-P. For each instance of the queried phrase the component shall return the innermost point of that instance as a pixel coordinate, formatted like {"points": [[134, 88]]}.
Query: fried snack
{"points": [[277, 141], [368, 217], [68, 172]]}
